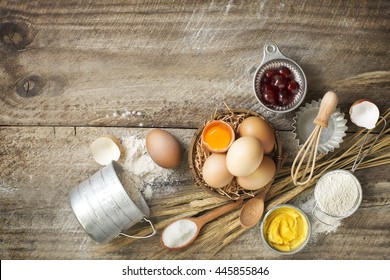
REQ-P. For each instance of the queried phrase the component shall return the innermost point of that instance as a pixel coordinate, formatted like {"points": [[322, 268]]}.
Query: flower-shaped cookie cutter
{"points": [[331, 137]]}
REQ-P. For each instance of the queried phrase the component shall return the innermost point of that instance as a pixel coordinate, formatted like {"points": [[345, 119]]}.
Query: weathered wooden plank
{"points": [[40, 165], [163, 64], [35, 213], [171, 64]]}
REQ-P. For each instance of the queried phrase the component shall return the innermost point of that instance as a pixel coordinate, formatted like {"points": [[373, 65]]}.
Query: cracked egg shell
{"points": [[364, 113]]}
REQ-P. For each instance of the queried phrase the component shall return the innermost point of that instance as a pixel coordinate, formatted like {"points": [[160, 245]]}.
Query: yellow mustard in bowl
{"points": [[285, 229]]}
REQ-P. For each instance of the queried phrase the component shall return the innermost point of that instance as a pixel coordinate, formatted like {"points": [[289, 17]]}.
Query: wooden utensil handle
{"points": [[327, 107], [218, 212]]}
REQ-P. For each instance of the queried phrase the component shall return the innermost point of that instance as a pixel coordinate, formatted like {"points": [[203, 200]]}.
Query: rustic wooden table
{"points": [[70, 72]]}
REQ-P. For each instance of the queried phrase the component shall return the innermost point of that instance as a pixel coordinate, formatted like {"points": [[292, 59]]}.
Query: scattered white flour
{"points": [[126, 113], [179, 233], [337, 193], [144, 171], [148, 191], [306, 202]]}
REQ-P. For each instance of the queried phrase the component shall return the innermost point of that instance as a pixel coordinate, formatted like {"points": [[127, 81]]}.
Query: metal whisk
{"points": [[310, 147]]}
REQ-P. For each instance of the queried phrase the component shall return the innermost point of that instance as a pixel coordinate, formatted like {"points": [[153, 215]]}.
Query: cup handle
{"points": [[317, 210], [270, 52], [140, 237]]}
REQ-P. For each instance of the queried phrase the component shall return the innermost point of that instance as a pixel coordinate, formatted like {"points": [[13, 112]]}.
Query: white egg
{"points": [[244, 156]]}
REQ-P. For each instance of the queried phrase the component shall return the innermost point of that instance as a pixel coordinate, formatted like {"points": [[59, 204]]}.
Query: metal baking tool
{"points": [[330, 138]]}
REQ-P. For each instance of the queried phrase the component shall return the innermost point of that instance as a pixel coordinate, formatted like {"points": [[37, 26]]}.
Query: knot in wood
{"points": [[30, 86], [14, 36]]}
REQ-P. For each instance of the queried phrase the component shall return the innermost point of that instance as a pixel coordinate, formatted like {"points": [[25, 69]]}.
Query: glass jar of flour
{"points": [[338, 194]]}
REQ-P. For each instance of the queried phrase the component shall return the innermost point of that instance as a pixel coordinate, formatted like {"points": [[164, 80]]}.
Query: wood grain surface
{"points": [[71, 71]]}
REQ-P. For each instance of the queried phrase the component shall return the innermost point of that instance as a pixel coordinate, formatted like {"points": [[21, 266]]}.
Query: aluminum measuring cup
{"points": [[273, 59], [105, 209]]}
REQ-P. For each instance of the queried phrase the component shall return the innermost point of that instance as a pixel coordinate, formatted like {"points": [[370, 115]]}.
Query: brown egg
{"points": [[163, 148], [260, 177], [260, 129], [215, 172]]}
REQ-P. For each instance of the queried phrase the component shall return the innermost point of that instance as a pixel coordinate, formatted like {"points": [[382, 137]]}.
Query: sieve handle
{"points": [[360, 157], [141, 237], [271, 51], [316, 210]]}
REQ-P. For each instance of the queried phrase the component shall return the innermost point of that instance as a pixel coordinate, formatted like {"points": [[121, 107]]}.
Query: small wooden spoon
{"points": [[253, 209], [202, 220]]}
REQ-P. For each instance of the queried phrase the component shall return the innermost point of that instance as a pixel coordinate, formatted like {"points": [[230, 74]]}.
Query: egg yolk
{"points": [[217, 136], [285, 229]]}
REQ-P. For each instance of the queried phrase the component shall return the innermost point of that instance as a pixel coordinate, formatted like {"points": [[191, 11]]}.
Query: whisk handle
{"points": [[327, 107]]}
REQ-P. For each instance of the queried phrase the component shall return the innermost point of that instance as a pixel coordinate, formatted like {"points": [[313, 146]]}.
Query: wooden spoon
{"points": [[253, 209], [201, 221]]}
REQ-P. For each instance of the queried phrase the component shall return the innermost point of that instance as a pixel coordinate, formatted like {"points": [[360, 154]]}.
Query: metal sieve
{"points": [[273, 59]]}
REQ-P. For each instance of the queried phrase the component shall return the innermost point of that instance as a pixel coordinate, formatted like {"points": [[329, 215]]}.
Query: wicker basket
{"points": [[197, 155]]}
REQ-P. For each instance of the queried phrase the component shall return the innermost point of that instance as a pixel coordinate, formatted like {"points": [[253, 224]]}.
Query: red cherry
{"points": [[279, 81], [264, 80], [269, 74], [293, 87], [283, 98], [284, 72], [269, 95]]}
